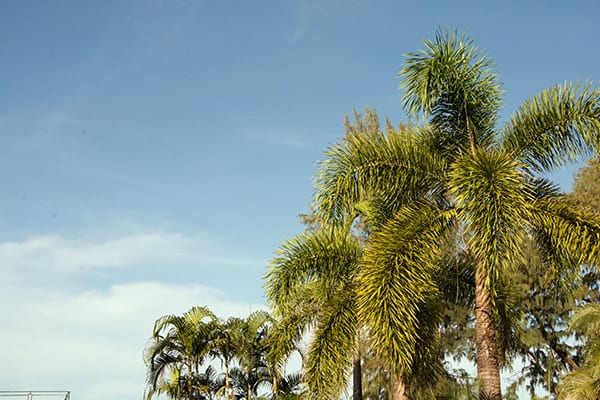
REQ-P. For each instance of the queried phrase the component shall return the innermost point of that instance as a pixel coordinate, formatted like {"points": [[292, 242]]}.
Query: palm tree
{"points": [[460, 186], [584, 383], [251, 352], [224, 348], [310, 285], [178, 347]]}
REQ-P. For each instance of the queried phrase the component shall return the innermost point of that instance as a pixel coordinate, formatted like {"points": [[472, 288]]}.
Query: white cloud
{"points": [[89, 337], [92, 342], [53, 254]]}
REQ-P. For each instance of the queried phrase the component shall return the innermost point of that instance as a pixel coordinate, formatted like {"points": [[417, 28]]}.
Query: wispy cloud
{"points": [[91, 341], [52, 254], [276, 137], [89, 338]]}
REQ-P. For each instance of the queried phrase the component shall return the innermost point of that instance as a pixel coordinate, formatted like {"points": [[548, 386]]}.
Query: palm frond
{"points": [[397, 280], [494, 200], [329, 256], [393, 166], [587, 320], [332, 346], [556, 127], [454, 84], [569, 235]]}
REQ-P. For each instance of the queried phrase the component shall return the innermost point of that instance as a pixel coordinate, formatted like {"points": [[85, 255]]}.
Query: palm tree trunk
{"points": [[275, 386], [356, 377], [228, 395], [487, 358], [399, 389]]}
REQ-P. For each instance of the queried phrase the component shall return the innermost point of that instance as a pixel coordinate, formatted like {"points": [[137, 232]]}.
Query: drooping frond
{"points": [[454, 85], [396, 283], [332, 345], [556, 127], [290, 329], [580, 385], [329, 256], [393, 166], [190, 320], [494, 200]]}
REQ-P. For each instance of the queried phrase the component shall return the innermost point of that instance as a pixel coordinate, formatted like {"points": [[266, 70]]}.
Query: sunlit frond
{"points": [[494, 200], [332, 346], [396, 282], [558, 126], [395, 166], [327, 255], [453, 84]]}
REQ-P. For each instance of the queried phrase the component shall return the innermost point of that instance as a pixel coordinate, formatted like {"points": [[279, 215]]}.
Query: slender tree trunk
{"points": [[249, 385], [487, 358], [356, 377], [399, 389], [228, 395], [275, 385]]}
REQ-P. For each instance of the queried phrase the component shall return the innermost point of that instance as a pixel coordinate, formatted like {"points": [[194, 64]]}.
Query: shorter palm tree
{"points": [[178, 347]]}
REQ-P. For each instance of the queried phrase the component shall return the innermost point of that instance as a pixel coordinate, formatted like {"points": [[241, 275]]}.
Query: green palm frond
{"points": [[326, 255], [556, 127], [393, 166], [397, 281], [454, 85], [568, 235], [580, 385], [494, 200], [587, 320], [584, 383], [332, 346]]}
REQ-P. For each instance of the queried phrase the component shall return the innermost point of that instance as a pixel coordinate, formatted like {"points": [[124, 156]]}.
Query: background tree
{"points": [[178, 347], [586, 187], [547, 301], [181, 348], [584, 382]]}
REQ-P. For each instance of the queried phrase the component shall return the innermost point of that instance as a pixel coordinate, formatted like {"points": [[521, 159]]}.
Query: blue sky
{"points": [[153, 154]]}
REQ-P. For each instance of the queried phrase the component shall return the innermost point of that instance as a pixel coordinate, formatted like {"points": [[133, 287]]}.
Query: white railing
{"points": [[31, 394]]}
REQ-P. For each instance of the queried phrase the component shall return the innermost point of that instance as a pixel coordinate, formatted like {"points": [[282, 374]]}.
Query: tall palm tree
{"points": [[178, 347], [460, 186]]}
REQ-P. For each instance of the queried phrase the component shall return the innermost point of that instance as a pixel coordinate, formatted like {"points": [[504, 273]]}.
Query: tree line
{"points": [[446, 239]]}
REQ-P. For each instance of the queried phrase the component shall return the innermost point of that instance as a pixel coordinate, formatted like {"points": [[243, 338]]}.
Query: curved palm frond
{"points": [[395, 166], [571, 237], [326, 255], [556, 127], [396, 282], [332, 345], [587, 320], [584, 383]]}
